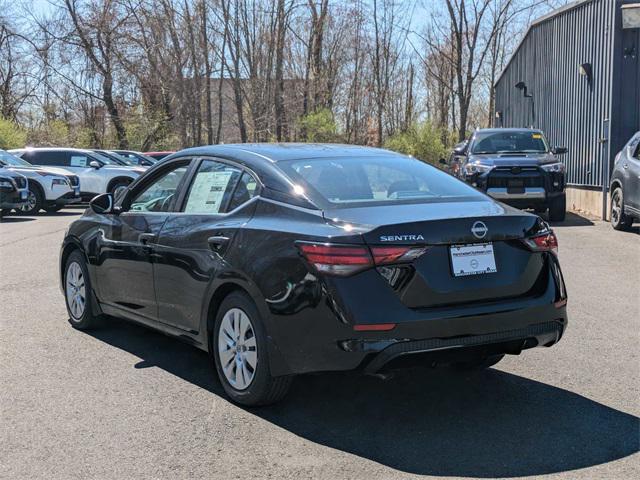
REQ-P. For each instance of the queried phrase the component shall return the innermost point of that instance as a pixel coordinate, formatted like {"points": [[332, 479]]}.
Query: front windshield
{"points": [[119, 158], [7, 159], [509, 142], [104, 159], [348, 181], [136, 158]]}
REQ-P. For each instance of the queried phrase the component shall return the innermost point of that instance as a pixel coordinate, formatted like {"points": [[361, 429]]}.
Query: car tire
{"points": [[619, 220], [34, 202], [558, 209], [120, 183], [479, 363], [240, 354], [77, 293]]}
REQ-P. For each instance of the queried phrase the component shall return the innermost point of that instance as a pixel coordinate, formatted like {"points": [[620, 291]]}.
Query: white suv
{"points": [[97, 173], [49, 188]]}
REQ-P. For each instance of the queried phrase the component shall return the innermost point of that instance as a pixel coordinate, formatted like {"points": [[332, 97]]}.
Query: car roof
{"points": [[52, 149], [498, 130], [276, 152]]}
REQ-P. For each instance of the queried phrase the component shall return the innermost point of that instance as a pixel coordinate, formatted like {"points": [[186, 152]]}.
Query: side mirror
{"points": [[442, 161], [94, 164], [559, 150], [102, 204], [459, 151]]}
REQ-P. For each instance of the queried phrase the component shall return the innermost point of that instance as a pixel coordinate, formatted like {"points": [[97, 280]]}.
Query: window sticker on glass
{"points": [[207, 192], [77, 161], [536, 136]]}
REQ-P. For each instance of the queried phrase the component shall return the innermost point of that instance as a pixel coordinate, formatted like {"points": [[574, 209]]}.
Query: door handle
{"points": [[217, 242], [147, 238]]}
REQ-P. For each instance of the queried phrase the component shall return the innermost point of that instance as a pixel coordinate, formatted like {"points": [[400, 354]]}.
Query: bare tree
{"points": [[96, 33]]}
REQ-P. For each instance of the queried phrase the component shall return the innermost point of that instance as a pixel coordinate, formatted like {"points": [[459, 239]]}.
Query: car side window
{"points": [[74, 159], [212, 188], [160, 194], [245, 190], [56, 158]]}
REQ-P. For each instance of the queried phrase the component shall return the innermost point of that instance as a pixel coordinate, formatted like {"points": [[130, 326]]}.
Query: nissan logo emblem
{"points": [[479, 229]]}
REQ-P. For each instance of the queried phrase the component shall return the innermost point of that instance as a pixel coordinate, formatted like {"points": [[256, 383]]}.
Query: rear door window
{"points": [[212, 188], [245, 190]]}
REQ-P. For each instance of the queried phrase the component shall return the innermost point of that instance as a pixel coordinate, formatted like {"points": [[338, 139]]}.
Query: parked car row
{"points": [[61, 176], [518, 167]]}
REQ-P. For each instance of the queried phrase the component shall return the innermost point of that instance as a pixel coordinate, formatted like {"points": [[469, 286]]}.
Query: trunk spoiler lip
{"points": [[537, 226]]}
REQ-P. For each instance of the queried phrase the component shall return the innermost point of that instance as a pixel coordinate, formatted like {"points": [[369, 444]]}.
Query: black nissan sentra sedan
{"points": [[286, 259]]}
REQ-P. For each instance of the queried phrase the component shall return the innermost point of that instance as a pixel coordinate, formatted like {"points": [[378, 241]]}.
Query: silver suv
{"points": [[98, 174], [49, 188]]}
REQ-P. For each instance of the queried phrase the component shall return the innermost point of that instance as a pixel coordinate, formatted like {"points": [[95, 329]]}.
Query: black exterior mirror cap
{"points": [[559, 150], [102, 204]]}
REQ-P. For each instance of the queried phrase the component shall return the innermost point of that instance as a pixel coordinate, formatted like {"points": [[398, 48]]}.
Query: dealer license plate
{"points": [[475, 259]]}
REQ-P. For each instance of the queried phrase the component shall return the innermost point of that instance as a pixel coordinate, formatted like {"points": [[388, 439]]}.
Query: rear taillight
{"points": [[349, 259], [547, 242], [387, 255], [337, 259]]}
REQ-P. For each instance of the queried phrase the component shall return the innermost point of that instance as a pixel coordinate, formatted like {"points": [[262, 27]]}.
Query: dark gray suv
{"points": [[515, 166], [625, 185]]}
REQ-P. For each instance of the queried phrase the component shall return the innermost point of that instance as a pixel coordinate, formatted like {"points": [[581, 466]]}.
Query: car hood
{"points": [[510, 159], [5, 172], [33, 170]]}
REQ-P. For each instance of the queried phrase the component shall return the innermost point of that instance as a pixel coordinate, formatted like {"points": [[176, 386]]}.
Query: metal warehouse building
{"points": [[576, 76]]}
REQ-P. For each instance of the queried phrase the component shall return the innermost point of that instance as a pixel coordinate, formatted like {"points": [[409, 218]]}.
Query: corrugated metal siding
{"points": [[567, 109]]}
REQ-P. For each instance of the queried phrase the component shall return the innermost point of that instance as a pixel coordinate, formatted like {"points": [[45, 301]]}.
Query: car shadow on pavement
{"points": [[16, 219], [573, 219], [423, 421]]}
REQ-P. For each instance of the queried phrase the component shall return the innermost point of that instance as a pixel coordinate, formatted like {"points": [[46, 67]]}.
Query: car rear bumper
{"points": [[315, 342], [508, 341]]}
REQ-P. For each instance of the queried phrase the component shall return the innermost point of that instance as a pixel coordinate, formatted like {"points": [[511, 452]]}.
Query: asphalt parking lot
{"points": [[124, 402]]}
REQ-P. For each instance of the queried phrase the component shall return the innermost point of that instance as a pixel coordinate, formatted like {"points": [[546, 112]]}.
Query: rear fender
{"points": [[230, 280]]}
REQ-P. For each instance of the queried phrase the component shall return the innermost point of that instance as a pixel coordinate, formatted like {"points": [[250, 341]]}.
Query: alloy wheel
{"points": [[31, 202], [616, 208], [75, 289], [237, 349]]}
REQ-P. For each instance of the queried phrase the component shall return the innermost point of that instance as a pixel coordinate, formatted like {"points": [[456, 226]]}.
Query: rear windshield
{"points": [[509, 142], [380, 180]]}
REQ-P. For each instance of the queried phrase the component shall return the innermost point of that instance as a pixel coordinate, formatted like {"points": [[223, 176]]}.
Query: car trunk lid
{"points": [[430, 280]]}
